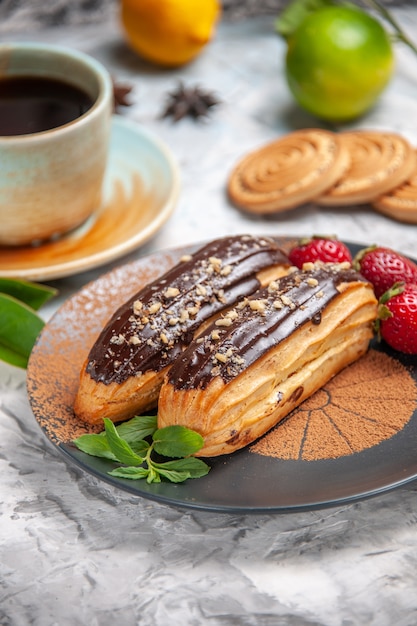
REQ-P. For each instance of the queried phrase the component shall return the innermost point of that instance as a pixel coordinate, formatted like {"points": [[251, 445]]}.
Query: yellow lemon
{"points": [[169, 32]]}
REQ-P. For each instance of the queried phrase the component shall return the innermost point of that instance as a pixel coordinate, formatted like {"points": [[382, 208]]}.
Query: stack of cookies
{"points": [[329, 169]]}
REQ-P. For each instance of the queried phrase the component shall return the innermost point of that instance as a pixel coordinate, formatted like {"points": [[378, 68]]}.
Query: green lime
{"points": [[338, 62]]}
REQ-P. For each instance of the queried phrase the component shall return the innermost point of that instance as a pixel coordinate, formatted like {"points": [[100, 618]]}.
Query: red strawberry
{"points": [[397, 317], [322, 249], [383, 267]]}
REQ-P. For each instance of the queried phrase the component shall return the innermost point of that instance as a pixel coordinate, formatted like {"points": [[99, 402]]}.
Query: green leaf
{"points": [[140, 447], [137, 428], [120, 448], [134, 473], [11, 357], [174, 476], [194, 467], [177, 441], [32, 294], [295, 13], [153, 476], [95, 445], [20, 325]]}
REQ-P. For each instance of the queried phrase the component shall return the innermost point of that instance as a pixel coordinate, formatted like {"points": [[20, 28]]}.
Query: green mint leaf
{"points": [[153, 475], [94, 445], [134, 473], [32, 294], [120, 448], [174, 476], [19, 327], [177, 441], [195, 468], [140, 447], [295, 12], [137, 428]]}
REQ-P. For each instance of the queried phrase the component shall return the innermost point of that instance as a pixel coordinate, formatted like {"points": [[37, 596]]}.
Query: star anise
{"points": [[189, 101], [120, 93]]}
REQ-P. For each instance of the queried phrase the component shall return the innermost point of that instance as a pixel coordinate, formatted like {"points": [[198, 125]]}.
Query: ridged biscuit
{"points": [[400, 203], [288, 172], [379, 162]]}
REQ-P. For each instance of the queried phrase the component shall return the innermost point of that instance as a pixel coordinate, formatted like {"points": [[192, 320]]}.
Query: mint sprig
{"points": [[134, 444]]}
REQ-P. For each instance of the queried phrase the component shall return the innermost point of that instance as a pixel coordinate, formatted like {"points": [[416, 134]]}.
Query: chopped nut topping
{"points": [[313, 282], [288, 302], [134, 340], [154, 308], [201, 290], [226, 270], [257, 305], [137, 307], [278, 304], [215, 335], [163, 338], [232, 314], [185, 258], [117, 339], [241, 305], [171, 292], [223, 358], [216, 263], [224, 321], [220, 295], [307, 267]]}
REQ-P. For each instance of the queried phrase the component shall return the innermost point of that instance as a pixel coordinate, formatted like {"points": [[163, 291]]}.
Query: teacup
{"points": [[54, 139]]}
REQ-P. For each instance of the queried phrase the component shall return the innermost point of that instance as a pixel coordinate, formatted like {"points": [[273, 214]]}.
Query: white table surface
{"points": [[75, 551]]}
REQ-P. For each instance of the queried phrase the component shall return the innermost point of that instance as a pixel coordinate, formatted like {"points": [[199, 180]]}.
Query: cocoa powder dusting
{"points": [[366, 403]]}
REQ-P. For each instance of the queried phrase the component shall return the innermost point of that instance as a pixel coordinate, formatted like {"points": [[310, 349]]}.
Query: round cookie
{"points": [[401, 202], [288, 172], [380, 161]]}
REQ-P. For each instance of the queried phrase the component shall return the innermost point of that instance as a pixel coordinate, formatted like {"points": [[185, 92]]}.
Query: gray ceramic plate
{"points": [[242, 482]]}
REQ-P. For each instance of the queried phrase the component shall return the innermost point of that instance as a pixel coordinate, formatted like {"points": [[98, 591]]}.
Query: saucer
{"points": [[141, 188]]}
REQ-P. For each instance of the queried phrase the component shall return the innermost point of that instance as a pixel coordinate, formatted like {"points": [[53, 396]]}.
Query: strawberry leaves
{"points": [[133, 446]]}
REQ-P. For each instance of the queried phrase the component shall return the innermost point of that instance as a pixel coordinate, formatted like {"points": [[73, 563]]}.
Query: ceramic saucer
{"points": [[140, 192]]}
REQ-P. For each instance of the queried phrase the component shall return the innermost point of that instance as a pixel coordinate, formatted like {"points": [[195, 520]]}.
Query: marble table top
{"points": [[77, 551]]}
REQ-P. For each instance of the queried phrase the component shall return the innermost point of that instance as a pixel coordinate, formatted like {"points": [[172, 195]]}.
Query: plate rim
{"points": [[57, 270], [127, 486]]}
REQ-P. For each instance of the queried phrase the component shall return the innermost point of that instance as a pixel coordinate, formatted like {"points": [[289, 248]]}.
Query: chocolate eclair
{"points": [[262, 358], [125, 367]]}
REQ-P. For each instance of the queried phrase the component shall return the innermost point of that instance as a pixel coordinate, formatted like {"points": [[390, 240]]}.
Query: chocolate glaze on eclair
{"points": [[263, 357], [245, 333], [147, 333]]}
